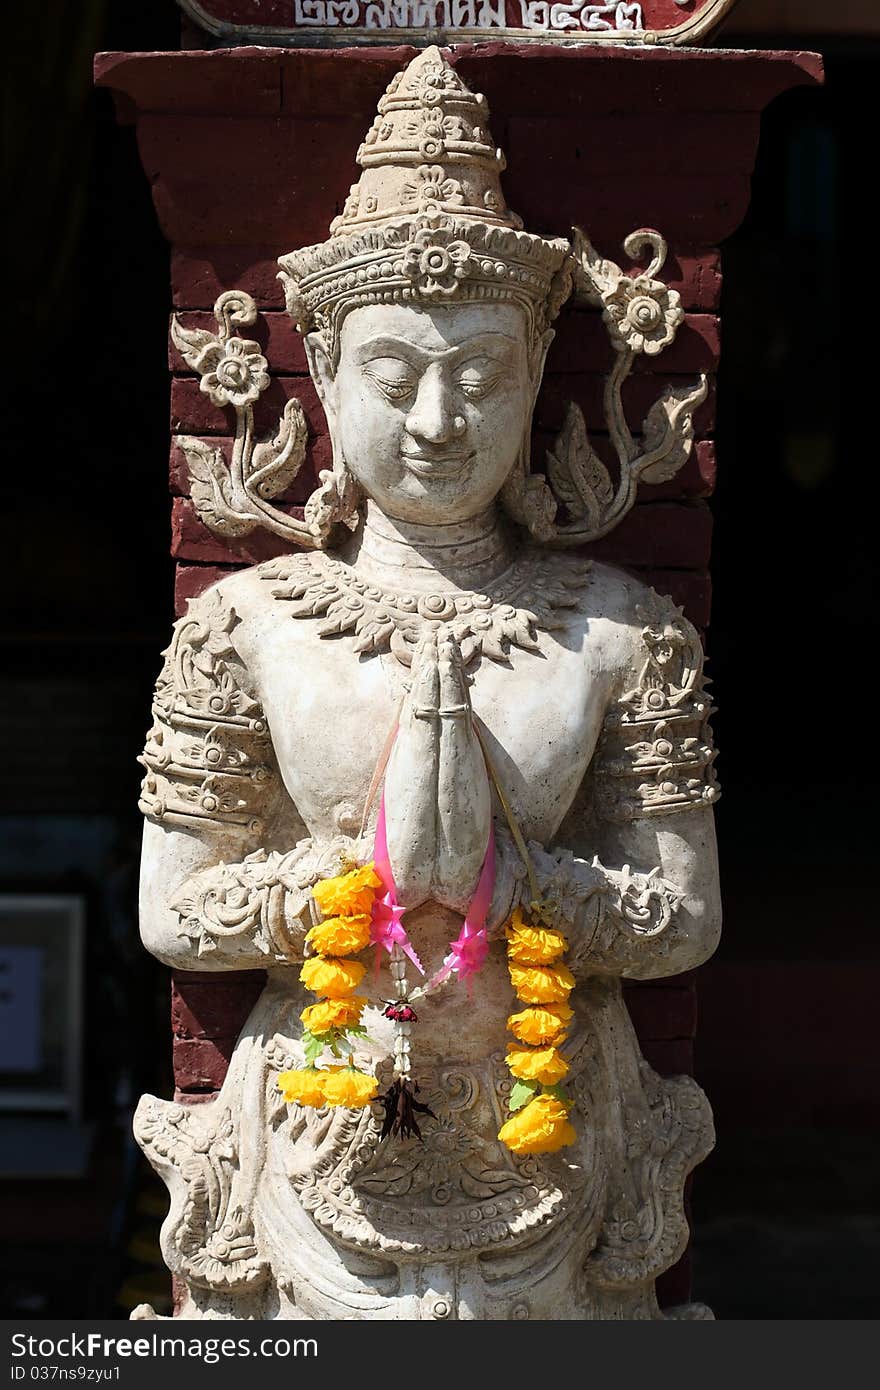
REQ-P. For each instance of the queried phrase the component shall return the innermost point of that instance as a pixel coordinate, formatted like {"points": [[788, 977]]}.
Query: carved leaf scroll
{"points": [[211, 489], [594, 276], [199, 348], [642, 315], [668, 431], [233, 500], [275, 465], [578, 476]]}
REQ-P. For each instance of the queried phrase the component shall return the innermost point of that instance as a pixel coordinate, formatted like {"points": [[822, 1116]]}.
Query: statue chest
{"points": [[331, 711]]}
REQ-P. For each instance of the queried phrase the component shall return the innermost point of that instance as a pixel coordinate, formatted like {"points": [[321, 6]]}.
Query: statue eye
{"points": [[394, 378], [477, 379]]}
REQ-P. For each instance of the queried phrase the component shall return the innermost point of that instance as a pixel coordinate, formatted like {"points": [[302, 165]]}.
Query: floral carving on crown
{"points": [[431, 190], [435, 261]]}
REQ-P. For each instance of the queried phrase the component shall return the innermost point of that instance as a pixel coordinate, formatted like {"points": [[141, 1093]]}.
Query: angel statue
{"points": [[443, 777]]}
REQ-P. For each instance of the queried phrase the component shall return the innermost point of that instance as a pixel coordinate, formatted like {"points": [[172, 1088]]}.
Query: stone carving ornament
{"points": [[515, 736]]}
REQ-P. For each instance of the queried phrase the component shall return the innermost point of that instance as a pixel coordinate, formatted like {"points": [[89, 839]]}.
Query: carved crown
{"points": [[428, 221]]}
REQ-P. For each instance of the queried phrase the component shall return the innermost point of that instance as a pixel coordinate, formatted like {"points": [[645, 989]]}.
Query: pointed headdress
{"points": [[427, 223]]}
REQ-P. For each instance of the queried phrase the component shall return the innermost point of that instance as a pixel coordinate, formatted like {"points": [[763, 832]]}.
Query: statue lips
{"points": [[441, 465]]}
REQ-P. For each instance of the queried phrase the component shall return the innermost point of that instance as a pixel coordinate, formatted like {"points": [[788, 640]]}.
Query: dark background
{"points": [[786, 1045]]}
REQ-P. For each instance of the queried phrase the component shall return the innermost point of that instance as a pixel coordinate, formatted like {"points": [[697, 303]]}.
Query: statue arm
{"points": [[641, 885], [226, 866], [646, 905], [208, 902]]}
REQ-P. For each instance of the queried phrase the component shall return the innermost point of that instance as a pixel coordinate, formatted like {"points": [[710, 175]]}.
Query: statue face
{"points": [[429, 407]]}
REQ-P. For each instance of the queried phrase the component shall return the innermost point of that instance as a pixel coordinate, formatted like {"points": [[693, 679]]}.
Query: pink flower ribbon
{"points": [[387, 929], [467, 953]]}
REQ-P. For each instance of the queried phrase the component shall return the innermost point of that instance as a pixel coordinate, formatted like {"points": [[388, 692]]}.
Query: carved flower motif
{"points": [[436, 262], [642, 314], [435, 84], [239, 376], [435, 132], [431, 189], [213, 797]]}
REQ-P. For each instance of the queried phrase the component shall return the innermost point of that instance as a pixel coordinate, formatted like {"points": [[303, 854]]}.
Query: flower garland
{"points": [[335, 1020], [538, 1105], [364, 910]]}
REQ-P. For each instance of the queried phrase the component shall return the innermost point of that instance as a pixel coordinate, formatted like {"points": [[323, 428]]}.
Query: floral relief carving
{"points": [[264, 900], [457, 1192], [207, 1239], [642, 315], [432, 190], [238, 376], [439, 254], [435, 261], [233, 500], [622, 915], [646, 1229]]}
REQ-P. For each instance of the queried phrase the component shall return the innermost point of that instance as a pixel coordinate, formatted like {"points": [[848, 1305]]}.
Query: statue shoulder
{"points": [[625, 612], [242, 604], [246, 592], [656, 754]]}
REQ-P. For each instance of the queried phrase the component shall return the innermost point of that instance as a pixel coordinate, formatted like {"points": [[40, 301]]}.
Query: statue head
{"points": [[427, 317]]}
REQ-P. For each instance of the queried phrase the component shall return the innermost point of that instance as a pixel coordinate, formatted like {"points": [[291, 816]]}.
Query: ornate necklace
{"points": [[484, 624]]}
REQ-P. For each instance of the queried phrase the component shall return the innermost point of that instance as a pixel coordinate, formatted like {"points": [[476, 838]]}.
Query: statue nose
{"points": [[433, 418]]}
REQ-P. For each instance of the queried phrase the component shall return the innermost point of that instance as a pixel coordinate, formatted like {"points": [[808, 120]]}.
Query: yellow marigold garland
{"points": [[539, 1108], [335, 1020]]}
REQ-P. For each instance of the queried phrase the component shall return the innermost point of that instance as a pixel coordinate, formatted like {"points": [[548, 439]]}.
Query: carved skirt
{"points": [[280, 1211]]}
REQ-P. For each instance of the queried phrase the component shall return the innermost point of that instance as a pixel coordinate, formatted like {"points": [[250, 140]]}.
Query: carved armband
{"points": [[616, 919], [630, 922], [262, 903], [208, 754], [257, 903], [655, 755]]}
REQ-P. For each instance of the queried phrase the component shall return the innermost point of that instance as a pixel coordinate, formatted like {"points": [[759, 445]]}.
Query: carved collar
{"points": [[484, 624]]}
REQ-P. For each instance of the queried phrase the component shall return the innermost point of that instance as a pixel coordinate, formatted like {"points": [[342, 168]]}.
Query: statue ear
{"points": [[538, 356], [322, 373], [526, 496]]}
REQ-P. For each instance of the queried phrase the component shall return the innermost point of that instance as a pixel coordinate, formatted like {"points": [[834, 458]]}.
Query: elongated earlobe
{"points": [[338, 498], [322, 374], [525, 495]]}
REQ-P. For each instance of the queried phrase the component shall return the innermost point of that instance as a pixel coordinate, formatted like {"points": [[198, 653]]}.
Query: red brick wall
{"points": [[251, 152]]}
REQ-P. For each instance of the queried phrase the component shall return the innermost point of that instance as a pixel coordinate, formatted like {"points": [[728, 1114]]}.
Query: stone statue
{"points": [[513, 735]]}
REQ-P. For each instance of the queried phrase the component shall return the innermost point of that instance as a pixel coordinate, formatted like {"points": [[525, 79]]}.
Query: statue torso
{"points": [[330, 709]]}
